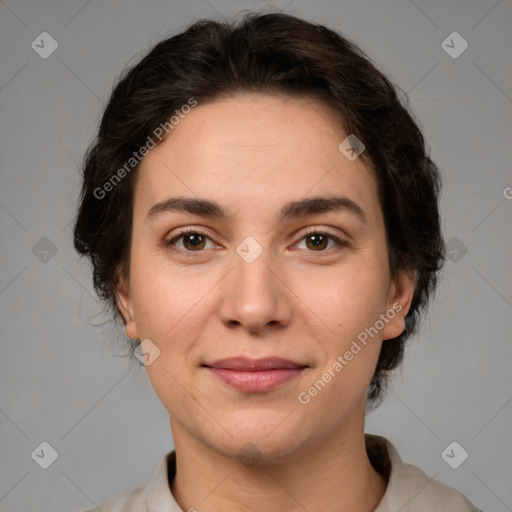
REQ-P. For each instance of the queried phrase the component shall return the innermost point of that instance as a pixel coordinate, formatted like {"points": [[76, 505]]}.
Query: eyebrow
{"points": [[292, 209]]}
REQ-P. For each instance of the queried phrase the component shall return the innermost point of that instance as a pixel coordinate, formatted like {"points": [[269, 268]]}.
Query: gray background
{"points": [[62, 380]]}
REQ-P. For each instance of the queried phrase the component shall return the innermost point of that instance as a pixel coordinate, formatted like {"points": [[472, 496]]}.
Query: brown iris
{"points": [[318, 241], [195, 240]]}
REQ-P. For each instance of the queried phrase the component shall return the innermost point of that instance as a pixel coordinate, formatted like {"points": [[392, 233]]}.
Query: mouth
{"points": [[255, 375]]}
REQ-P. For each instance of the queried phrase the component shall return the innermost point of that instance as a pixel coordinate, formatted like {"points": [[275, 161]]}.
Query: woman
{"points": [[261, 213]]}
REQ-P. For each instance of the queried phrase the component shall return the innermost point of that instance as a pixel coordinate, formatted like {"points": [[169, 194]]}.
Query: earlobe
{"points": [[125, 305], [399, 304]]}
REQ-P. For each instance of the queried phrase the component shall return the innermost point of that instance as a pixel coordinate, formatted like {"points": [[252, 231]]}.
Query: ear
{"points": [[400, 296], [125, 305]]}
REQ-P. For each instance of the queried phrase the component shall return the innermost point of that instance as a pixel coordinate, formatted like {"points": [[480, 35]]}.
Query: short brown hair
{"points": [[272, 53]]}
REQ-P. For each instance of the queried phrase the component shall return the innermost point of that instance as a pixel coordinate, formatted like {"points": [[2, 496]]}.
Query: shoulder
{"points": [[154, 495], [409, 488], [133, 500]]}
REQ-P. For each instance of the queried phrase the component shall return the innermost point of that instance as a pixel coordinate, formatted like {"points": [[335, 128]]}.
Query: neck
{"points": [[334, 474]]}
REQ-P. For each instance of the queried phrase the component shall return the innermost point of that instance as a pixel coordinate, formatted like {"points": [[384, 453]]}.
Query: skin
{"points": [[251, 154]]}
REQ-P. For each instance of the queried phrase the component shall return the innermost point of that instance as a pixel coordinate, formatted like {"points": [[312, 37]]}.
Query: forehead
{"points": [[254, 150], [274, 126]]}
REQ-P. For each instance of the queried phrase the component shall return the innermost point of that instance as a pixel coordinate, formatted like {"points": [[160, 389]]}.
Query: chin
{"points": [[262, 452], [255, 441]]}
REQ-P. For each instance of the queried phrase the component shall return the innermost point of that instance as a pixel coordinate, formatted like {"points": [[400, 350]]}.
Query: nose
{"points": [[255, 296]]}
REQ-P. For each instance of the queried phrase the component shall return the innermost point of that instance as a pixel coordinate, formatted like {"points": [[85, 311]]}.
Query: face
{"points": [[263, 272]]}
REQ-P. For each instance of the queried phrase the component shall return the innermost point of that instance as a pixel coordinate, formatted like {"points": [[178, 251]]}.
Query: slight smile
{"points": [[255, 375]]}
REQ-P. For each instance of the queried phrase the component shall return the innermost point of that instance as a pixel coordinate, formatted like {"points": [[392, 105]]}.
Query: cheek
{"points": [[171, 304], [171, 309], [347, 299]]}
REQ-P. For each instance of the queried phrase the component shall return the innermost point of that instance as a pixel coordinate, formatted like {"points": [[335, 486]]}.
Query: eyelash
{"points": [[169, 243]]}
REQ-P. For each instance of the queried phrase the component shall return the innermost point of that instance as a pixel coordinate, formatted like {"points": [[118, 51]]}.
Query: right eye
{"points": [[193, 240]]}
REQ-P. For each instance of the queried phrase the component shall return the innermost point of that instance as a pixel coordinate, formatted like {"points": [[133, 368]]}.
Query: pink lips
{"points": [[255, 375]]}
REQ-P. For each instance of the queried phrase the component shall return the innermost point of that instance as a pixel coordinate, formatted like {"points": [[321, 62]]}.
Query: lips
{"points": [[254, 365], [255, 375]]}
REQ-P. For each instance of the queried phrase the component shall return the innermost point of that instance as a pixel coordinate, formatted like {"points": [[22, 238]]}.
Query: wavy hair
{"points": [[269, 53]]}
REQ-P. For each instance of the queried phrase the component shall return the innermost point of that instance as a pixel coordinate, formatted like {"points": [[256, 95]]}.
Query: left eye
{"points": [[318, 241]]}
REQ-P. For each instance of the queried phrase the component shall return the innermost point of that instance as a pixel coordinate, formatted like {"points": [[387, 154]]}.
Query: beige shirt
{"points": [[409, 489]]}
